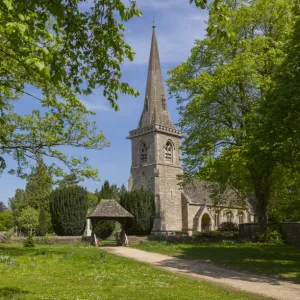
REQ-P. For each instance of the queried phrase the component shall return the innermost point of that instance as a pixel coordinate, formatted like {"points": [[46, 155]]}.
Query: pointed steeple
{"points": [[155, 106]]}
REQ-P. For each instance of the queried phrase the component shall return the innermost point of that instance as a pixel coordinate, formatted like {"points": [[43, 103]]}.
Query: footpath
{"points": [[255, 284]]}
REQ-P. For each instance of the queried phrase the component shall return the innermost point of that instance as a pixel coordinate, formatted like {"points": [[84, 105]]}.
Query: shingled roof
{"points": [[109, 209], [198, 192]]}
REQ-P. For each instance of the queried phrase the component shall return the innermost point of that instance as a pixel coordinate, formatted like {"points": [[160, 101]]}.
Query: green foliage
{"points": [[29, 242], [17, 203], [6, 220], [55, 48], [39, 186], [92, 200], [140, 204], [43, 222], [8, 236], [70, 179], [104, 229], [223, 91], [68, 209], [271, 236], [28, 219], [229, 226]]}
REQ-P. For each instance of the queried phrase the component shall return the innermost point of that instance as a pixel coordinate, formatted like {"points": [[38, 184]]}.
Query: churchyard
{"points": [[85, 272], [274, 260]]}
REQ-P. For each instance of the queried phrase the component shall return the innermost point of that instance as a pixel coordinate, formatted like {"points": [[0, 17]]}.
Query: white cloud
{"points": [[95, 105]]}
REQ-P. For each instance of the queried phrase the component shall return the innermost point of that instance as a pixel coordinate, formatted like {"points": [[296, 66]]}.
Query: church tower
{"points": [[155, 150]]}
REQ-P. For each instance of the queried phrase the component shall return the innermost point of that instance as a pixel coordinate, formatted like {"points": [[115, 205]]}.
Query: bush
{"points": [[229, 226], [104, 229], [43, 222], [8, 236], [271, 236], [6, 220], [140, 204], [29, 242], [68, 209]]}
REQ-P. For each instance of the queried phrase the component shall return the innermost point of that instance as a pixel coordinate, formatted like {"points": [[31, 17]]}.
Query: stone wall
{"points": [[62, 240], [135, 240], [248, 230], [291, 232]]}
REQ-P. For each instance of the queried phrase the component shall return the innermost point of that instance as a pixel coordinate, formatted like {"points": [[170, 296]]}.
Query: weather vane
{"points": [[153, 22]]}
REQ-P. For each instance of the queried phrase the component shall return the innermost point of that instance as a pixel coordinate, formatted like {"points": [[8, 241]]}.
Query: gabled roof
{"points": [[198, 192], [109, 209]]}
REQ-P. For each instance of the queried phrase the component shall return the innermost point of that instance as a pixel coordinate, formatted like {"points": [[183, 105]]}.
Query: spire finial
{"points": [[153, 22]]}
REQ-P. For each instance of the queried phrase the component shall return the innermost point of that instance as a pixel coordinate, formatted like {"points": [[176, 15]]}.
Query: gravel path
{"points": [[260, 285]]}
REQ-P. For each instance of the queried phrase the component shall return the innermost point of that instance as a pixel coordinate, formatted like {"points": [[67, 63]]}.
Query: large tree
{"points": [[221, 90], [61, 50]]}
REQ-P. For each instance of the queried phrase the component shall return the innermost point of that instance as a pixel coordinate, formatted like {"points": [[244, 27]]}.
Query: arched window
{"points": [[217, 220], [229, 217], [241, 217], [169, 152], [143, 153]]}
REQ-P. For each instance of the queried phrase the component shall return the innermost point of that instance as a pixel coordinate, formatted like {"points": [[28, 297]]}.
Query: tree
{"points": [[2, 206], [140, 204], [281, 110], [63, 53], [17, 203], [92, 200], [44, 221], [221, 89], [39, 186], [6, 220], [123, 190], [68, 180], [28, 219], [68, 209]]}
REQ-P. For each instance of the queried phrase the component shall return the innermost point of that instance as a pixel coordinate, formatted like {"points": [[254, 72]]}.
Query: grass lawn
{"points": [[281, 261], [81, 272]]}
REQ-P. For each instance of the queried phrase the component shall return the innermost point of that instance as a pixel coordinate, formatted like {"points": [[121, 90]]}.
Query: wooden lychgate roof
{"points": [[109, 209]]}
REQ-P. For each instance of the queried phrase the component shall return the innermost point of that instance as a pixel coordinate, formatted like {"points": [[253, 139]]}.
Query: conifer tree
{"points": [[140, 204], [68, 208]]}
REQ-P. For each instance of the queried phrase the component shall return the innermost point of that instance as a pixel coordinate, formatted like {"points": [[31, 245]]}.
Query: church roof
{"points": [[199, 192], [109, 209], [155, 104]]}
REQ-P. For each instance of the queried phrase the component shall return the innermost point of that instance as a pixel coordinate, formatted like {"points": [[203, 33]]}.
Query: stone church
{"points": [[156, 165]]}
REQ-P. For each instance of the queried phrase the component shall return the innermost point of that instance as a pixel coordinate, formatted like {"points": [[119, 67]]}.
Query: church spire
{"points": [[155, 106]]}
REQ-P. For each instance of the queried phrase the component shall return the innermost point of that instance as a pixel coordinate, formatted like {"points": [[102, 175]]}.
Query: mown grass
{"points": [[281, 261], [68, 272]]}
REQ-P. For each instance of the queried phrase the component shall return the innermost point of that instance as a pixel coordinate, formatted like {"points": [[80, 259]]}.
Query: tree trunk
{"points": [[262, 193]]}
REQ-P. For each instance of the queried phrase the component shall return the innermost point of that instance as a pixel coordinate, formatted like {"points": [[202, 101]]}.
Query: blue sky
{"points": [[178, 25]]}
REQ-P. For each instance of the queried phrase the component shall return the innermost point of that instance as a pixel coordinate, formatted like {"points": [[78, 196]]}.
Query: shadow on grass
{"points": [[277, 261], [11, 292]]}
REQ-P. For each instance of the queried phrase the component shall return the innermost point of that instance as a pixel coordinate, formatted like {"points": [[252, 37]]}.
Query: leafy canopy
{"points": [[221, 90], [62, 52]]}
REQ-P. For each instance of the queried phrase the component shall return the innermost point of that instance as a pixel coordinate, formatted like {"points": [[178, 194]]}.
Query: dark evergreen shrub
{"points": [[140, 204], [229, 226], [104, 229], [68, 209], [43, 224], [29, 242]]}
